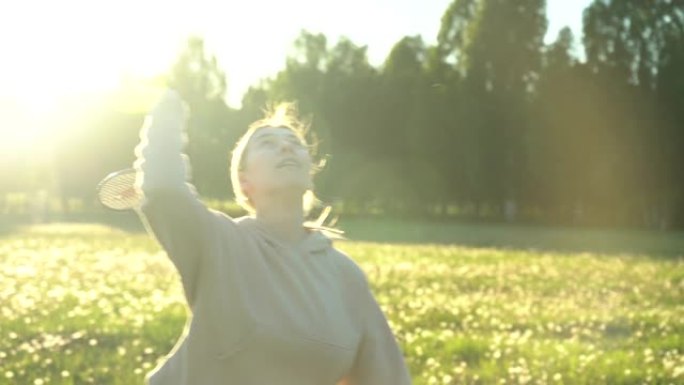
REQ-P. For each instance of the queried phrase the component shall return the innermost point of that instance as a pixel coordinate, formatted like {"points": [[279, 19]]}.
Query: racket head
{"points": [[117, 191]]}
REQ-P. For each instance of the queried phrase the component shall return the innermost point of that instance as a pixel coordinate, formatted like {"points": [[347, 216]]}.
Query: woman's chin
{"points": [[289, 186]]}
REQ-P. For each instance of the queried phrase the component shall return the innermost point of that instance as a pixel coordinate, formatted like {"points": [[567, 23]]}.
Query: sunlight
{"points": [[79, 47], [21, 127], [72, 51]]}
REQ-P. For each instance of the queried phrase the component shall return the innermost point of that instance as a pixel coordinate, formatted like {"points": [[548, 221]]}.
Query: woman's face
{"points": [[276, 161]]}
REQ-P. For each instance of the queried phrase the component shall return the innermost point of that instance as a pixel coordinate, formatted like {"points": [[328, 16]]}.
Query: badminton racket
{"points": [[117, 191]]}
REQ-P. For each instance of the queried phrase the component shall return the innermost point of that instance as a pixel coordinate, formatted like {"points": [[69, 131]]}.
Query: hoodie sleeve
{"points": [[379, 360], [171, 209]]}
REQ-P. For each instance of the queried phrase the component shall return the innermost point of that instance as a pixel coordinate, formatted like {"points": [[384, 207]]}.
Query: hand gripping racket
{"points": [[117, 191]]}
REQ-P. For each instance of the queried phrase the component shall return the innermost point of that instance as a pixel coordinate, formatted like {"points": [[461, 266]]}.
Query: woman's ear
{"points": [[245, 184]]}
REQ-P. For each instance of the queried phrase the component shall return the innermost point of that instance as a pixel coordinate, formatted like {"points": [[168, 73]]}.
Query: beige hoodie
{"points": [[262, 312]]}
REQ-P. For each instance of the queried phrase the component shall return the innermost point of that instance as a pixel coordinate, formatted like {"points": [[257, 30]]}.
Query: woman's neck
{"points": [[283, 219]]}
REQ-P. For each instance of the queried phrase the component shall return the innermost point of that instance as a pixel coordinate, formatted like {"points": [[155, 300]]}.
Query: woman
{"points": [[272, 301]]}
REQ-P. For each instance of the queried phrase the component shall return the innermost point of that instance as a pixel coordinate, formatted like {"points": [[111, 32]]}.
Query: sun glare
{"points": [[81, 47], [20, 127], [72, 50]]}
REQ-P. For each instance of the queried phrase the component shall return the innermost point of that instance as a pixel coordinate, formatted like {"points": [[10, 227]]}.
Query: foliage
{"points": [[489, 123]]}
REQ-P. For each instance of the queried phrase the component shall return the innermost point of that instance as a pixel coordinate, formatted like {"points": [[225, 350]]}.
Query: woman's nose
{"points": [[286, 146]]}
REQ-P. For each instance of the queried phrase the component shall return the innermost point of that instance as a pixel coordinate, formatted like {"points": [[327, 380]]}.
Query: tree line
{"points": [[488, 123]]}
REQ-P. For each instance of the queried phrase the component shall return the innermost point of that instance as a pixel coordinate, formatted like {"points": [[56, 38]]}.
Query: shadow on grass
{"points": [[661, 244], [7, 227], [126, 221], [664, 244]]}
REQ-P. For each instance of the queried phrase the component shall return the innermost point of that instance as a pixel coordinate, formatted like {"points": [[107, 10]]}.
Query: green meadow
{"points": [[470, 304]]}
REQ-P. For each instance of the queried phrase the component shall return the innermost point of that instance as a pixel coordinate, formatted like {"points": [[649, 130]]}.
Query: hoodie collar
{"points": [[315, 240]]}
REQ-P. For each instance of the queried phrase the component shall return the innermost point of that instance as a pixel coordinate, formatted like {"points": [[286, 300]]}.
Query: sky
{"points": [[70, 46]]}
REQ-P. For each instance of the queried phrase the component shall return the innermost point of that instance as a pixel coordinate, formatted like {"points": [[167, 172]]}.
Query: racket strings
{"points": [[119, 192]]}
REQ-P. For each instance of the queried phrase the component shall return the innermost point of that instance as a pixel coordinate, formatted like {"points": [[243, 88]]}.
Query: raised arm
{"points": [[171, 210]]}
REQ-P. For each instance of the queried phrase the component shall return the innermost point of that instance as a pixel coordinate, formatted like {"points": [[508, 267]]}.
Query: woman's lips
{"points": [[288, 162]]}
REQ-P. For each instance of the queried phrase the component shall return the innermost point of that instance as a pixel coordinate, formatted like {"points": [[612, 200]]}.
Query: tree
{"points": [[558, 152], [412, 111], [197, 77], [630, 47], [453, 37], [333, 86], [629, 36], [497, 46], [668, 208]]}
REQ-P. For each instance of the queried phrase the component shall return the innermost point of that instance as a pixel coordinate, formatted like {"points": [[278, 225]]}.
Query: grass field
{"points": [[90, 304]]}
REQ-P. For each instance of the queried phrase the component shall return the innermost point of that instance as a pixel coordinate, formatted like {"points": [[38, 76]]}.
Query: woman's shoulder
{"points": [[350, 269], [221, 218]]}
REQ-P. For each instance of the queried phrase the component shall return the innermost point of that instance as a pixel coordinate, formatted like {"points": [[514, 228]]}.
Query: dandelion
{"points": [[678, 371], [648, 355], [497, 302], [77, 335]]}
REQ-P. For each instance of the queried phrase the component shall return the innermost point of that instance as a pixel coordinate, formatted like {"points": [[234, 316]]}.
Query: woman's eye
{"points": [[271, 142]]}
